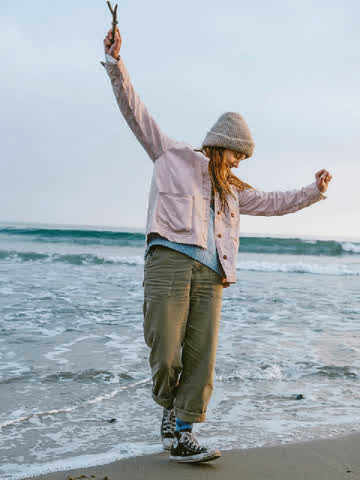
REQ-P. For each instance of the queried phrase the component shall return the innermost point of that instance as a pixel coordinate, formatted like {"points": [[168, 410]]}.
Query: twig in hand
{"points": [[114, 21]]}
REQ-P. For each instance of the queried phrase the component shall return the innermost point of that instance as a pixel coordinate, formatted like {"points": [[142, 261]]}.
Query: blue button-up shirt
{"points": [[208, 256]]}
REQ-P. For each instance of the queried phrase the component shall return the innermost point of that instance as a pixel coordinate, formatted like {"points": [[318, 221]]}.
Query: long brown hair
{"points": [[221, 176]]}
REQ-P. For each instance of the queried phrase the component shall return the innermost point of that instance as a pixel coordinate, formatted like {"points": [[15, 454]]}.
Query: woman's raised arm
{"points": [[143, 125]]}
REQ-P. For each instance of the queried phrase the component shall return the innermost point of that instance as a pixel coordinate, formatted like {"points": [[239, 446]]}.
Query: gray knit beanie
{"points": [[232, 132]]}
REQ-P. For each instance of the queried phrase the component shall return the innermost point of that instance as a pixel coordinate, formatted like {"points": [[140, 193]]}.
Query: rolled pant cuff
{"points": [[164, 402], [190, 416]]}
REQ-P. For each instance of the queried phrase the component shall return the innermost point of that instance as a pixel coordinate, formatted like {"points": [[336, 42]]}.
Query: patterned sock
{"points": [[180, 425]]}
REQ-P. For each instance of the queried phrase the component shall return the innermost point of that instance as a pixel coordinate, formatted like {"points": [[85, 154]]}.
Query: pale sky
{"points": [[290, 68]]}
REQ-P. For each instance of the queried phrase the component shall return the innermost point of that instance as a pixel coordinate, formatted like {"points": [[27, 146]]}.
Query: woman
{"points": [[192, 235]]}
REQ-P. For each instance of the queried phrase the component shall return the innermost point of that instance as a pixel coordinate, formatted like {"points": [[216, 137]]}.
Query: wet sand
{"points": [[335, 458]]}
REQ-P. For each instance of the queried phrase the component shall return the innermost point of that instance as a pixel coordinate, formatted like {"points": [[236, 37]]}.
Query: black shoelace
{"points": [[190, 440]]}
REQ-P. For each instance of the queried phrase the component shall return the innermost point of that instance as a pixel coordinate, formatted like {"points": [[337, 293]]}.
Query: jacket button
{"points": [[219, 235], [232, 214], [218, 212], [225, 257]]}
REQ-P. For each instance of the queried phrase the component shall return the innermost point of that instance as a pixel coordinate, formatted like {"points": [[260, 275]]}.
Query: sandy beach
{"points": [[334, 458]]}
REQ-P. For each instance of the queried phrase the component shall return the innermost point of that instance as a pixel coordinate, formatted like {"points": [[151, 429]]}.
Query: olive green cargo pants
{"points": [[182, 305]]}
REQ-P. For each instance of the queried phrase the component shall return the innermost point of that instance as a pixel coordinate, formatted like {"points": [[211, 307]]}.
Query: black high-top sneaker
{"points": [[186, 449], [167, 427]]}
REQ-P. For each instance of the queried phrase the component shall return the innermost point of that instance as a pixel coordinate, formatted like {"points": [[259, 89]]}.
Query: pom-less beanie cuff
{"points": [[232, 132]]}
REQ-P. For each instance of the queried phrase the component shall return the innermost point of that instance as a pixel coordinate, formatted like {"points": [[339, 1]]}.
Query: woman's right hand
{"points": [[113, 49], [323, 177]]}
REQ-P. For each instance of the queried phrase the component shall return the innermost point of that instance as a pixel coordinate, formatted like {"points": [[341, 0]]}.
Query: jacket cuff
{"points": [[111, 65], [110, 58], [317, 192]]}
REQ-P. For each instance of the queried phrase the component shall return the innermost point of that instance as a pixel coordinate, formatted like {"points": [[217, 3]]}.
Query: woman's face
{"points": [[232, 158]]}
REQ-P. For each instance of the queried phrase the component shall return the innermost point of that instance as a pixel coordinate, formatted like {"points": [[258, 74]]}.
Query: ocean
{"points": [[75, 382]]}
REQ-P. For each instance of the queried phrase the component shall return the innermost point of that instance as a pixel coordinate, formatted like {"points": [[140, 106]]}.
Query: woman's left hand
{"points": [[225, 283], [323, 177]]}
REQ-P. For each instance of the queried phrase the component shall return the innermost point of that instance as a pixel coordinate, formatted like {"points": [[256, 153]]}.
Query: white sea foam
{"points": [[30, 416], [6, 290], [131, 260], [266, 372], [82, 461], [299, 267], [261, 266], [54, 411], [12, 368], [65, 347], [351, 247]]}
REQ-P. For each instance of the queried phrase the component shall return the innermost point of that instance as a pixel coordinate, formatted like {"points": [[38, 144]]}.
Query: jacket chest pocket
{"points": [[175, 211]]}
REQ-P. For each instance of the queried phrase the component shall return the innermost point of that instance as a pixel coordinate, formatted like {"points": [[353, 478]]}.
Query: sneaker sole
{"points": [[204, 457]]}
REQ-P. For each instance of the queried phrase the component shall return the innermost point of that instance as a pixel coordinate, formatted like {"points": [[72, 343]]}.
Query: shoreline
{"points": [[333, 458]]}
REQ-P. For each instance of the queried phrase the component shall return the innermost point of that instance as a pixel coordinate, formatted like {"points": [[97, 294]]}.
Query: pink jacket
{"points": [[180, 192]]}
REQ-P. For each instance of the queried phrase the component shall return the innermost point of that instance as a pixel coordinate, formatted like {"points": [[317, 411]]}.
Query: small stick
{"points": [[114, 21]]}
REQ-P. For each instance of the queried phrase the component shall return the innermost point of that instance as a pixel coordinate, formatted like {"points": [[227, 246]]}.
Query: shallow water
{"points": [[74, 376]]}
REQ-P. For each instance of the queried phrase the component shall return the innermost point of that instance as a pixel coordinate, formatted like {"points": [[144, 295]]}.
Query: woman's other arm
{"points": [[255, 202], [143, 125]]}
